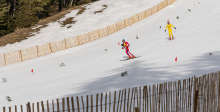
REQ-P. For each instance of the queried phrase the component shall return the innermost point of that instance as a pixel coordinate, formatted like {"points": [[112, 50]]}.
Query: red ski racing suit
{"points": [[127, 49]]}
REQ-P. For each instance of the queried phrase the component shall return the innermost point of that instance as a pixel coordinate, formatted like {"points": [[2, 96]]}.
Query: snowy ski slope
{"points": [[116, 11], [90, 69]]}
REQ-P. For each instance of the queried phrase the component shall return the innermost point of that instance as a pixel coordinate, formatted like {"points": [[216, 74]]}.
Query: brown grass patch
{"points": [[105, 6], [81, 10], [67, 21], [69, 27], [70, 19]]}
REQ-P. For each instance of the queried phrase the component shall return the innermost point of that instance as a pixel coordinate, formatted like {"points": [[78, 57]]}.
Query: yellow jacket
{"points": [[169, 27]]}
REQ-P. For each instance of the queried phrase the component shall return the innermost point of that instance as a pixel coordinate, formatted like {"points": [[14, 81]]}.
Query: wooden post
{"points": [[37, 51], [135, 91], [114, 101], [4, 59], [58, 107], [82, 103], [159, 99], [101, 101], [68, 104], [15, 108], [199, 92], [72, 101], [211, 92], [179, 94], [32, 107], [38, 107], [77, 100], [176, 89], [208, 89], [21, 55], [87, 103], [78, 40], [131, 99], [4, 109], [106, 102], [128, 100], [91, 103], [203, 91], [143, 97], [118, 100], [184, 95], [166, 97], [9, 109], [121, 100], [195, 95], [21, 108], [97, 102], [139, 99], [109, 101], [42, 105], [53, 104], [191, 93], [50, 48], [124, 100], [150, 99], [29, 107], [136, 109], [48, 109], [146, 99], [65, 44], [218, 91]]}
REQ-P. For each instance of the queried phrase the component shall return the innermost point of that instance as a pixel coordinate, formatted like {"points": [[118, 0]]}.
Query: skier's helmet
{"points": [[123, 40]]}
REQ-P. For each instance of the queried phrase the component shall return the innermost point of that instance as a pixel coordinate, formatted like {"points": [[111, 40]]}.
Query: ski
{"points": [[130, 58]]}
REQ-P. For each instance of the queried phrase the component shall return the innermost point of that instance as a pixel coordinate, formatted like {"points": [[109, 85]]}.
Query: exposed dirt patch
{"points": [[69, 27], [67, 21], [70, 19], [81, 10], [100, 11]]}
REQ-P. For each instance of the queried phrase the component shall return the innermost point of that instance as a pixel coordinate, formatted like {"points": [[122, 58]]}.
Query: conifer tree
{"points": [[25, 15], [4, 10]]}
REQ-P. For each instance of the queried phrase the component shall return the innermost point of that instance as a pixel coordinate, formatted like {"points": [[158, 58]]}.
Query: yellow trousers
{"points": [[170, 33]]}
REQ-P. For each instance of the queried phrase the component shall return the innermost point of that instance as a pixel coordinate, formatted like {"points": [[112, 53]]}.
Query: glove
{"points": [[175, 27], [122, 45], [165, 30]]}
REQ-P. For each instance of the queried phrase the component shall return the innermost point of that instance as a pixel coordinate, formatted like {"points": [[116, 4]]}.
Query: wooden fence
{"points": [[195, 94], [41, 50]]}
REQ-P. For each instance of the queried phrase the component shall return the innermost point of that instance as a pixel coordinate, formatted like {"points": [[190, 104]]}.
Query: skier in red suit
{"points": [[126, 45]]}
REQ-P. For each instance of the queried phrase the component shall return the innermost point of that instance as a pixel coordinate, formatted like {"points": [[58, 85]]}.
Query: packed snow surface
{"points": [[90, 69]]}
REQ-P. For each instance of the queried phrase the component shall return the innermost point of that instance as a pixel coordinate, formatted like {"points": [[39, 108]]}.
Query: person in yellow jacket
{"points": [[170, 29]]}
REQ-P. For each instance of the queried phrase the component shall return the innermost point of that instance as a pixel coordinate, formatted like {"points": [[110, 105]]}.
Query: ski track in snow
{"points": [[90, 69]]}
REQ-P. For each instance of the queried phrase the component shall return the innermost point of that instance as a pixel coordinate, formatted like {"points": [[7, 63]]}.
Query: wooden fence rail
{"points": [[41, 50], [195, 94]]}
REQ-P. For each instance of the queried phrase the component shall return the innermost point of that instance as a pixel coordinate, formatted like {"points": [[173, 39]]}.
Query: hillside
{"points": [[90, 69], [112, 11]]}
